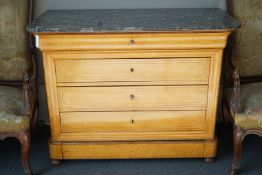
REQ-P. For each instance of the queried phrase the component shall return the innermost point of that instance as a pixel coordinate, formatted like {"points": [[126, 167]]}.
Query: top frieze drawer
{"points": [[133, 41]]}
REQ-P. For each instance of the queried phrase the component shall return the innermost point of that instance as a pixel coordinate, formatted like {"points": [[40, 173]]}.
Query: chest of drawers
{"points": [[129, 97], [132, 94]]}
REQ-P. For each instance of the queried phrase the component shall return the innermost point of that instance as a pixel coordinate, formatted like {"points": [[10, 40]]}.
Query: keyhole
{"points": [[132, 70], [132, 42], [132, 121], [132, 97]]}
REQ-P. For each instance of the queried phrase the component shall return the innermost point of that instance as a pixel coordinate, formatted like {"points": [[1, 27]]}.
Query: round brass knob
{"points": [[132, 97], [132, 42]]}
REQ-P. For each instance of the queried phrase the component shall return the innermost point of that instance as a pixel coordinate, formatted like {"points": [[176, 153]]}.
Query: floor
{"points": [[251, 162]]}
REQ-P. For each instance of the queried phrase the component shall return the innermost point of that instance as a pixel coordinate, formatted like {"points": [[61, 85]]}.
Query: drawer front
{"points": [[132, 98], [157, 71], [136, 41], [132, 121]]}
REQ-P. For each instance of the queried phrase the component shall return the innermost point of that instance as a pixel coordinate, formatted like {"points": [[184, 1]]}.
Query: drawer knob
{"points": [[132, 97], [132, 42], [132, 70], [132, 121]]}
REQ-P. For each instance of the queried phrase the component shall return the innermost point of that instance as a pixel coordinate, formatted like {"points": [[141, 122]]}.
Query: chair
{"points": [[18, 102], [242, 98]]}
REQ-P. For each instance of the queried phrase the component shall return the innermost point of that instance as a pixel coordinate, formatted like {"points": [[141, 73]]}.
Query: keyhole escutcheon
{"points": [[132, 97], [132, 121], [132, 42]]}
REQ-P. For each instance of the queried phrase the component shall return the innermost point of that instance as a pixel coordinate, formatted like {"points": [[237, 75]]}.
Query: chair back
{"points": [[247, 52], [14, 51]]}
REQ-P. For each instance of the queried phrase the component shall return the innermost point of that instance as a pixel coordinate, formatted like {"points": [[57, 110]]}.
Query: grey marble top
{"points": [[132, 20]]}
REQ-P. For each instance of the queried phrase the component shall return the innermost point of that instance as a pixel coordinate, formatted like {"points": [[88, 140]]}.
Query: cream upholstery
{"points": [[11, 104], [247, 54], [14, 57], [251, 105]]}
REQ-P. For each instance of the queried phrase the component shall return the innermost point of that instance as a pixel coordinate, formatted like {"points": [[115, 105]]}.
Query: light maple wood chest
{"points": [[132, 93]]}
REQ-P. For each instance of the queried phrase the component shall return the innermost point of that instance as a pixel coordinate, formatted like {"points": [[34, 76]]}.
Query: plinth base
{"points": [[133, 150]]}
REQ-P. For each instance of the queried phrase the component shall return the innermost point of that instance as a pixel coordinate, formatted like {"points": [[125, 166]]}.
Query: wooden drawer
{"points": [[132, 121], [135, 41], [132, 98], [157, 71]]}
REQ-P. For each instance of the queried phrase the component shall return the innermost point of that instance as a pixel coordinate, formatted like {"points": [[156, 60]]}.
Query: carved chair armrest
{"points": [[27, 108], [229, 73], [29, 94], [235, 106]]}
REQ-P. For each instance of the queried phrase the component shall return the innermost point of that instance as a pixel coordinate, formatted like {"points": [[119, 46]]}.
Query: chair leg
{"points": [[24, 138], [238, 136]]}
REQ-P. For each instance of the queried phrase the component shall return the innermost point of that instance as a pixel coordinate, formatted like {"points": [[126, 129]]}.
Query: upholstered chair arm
{"points": [[229, 71], [27, 108], [235, 106]]}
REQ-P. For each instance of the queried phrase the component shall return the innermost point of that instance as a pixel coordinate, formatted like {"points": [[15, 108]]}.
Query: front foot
{"points": [[210, 160], [55, 162]]}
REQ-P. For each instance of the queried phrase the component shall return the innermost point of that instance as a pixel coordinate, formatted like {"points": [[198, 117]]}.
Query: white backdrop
{"points": [[42, 5]]}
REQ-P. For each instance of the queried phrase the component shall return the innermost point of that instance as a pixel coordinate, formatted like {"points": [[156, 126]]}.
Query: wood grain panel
{"points": [[131, 54], [210, 148], [137, 150], [132, 98], [213, 93], [156, 71], [132, 41], [55, 151], [51, 92], [132, 136], [132, 121], [127, 150]]}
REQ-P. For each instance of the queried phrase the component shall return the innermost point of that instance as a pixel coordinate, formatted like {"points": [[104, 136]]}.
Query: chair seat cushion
{"points": [[250, 118], [11, 103], [251, 105]]}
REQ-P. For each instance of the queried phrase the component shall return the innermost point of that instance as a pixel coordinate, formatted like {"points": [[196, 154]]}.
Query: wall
{"points": [[101, 4], [42, 5]]}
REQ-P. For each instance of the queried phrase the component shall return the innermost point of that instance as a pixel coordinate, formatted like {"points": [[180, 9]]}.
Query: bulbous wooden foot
{"points": [[210, 160], [55, 162]]}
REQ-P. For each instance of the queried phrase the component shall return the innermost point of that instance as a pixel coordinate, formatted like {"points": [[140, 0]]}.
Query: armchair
{"points": [[18, 100], [242, 98]]}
